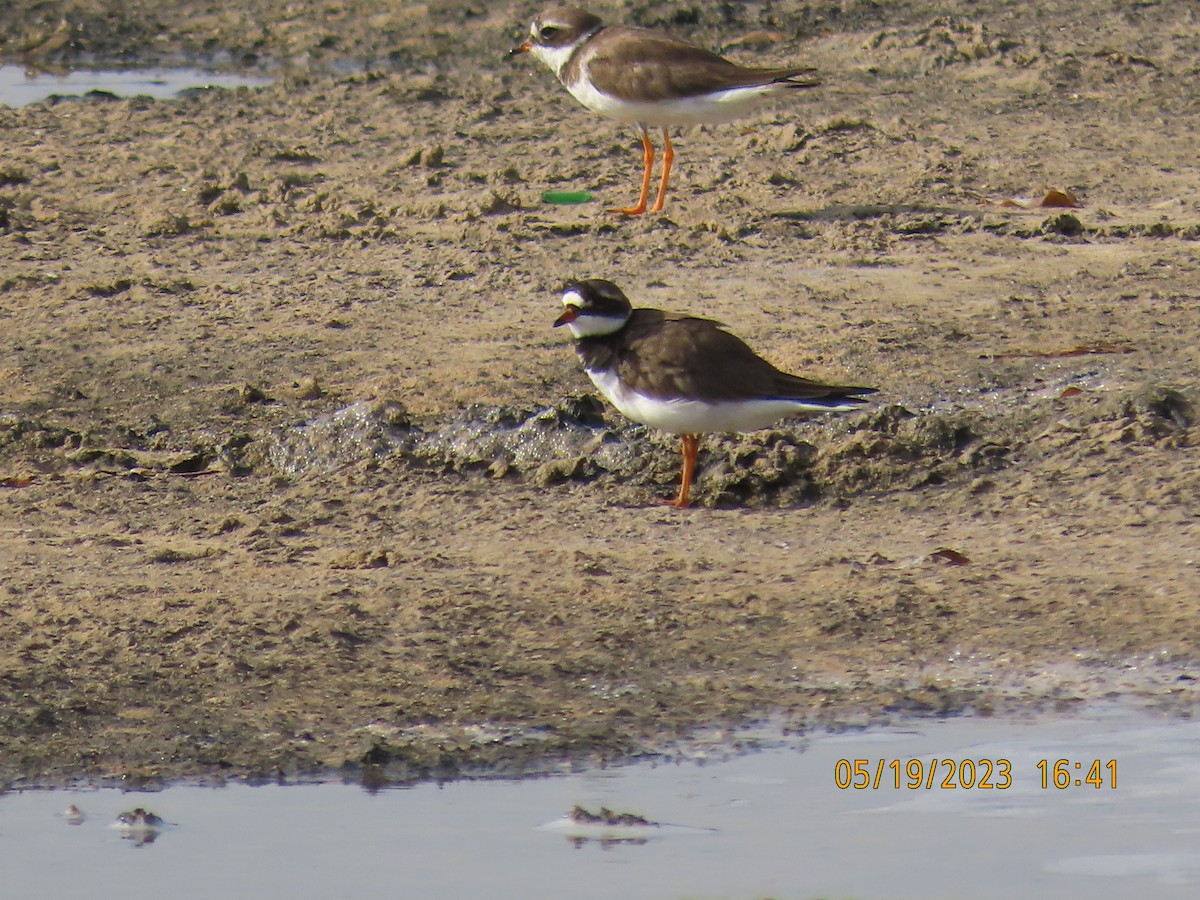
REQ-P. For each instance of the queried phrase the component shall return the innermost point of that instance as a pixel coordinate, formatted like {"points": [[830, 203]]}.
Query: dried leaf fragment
{"points": [[1053, 199], [1078, 350], [949, 557], [758, 38], [1060, 199]]}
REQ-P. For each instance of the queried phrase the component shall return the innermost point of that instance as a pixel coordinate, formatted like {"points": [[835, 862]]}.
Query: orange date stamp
{"points": [[968, 774], [923, 774]]}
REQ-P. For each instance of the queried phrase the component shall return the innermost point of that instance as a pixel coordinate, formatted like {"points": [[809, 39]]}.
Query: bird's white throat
{"points": [[590, 324], [554, 58]]}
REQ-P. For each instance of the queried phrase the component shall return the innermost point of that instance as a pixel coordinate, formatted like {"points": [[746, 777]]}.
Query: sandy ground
{"points": [[295, 476]]}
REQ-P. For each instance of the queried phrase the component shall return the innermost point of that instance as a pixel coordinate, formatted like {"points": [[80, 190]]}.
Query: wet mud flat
{"points": [[295, 476]]}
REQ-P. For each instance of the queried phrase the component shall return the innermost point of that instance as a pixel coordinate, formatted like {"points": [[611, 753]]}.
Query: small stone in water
{"points": [[139, 819]]}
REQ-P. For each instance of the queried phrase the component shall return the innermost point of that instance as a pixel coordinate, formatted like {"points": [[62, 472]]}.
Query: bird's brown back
{"points": [[659, 68], [669, 355]]}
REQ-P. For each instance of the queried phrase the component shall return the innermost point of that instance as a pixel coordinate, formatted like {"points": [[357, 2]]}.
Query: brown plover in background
{"points": [[646, 78]]}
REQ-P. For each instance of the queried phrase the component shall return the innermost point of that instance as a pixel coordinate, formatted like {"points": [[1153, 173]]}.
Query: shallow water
{"points": [[19, 87], [769, 823]]}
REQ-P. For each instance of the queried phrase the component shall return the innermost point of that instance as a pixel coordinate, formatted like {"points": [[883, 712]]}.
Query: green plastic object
{"points": [[566, 198]]}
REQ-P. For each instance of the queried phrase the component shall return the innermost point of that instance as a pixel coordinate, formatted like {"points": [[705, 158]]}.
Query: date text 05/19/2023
{"points": [[969, 774]]}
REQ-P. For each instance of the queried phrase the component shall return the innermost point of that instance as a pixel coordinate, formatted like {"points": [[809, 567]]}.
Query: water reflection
{"points": [[20, 86]]}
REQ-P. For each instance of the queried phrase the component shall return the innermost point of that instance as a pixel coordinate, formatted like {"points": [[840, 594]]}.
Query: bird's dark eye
{"points": [[547, 32]]}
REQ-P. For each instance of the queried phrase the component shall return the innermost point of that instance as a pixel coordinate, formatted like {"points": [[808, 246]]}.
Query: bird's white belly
{"points": [[722, 106], [696, 416]]}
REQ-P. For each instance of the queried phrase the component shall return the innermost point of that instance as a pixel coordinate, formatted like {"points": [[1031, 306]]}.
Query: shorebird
{"points": [[642, 77], [685, 375]]}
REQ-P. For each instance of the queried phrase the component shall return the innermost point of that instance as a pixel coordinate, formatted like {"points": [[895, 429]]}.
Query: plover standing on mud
{"points": [[649, 79], [685, 375]]}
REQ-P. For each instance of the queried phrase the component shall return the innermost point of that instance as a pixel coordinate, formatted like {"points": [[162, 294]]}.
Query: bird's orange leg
{"points": [[648, 166], [690, 446], [668, 158]]}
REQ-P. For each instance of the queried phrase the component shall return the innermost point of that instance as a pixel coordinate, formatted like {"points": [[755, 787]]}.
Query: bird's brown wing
{"points": [[672, 356], [658, 68]]}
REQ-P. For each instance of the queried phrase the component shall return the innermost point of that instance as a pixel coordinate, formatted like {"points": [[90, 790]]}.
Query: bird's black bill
{"points": [[570, 314]]}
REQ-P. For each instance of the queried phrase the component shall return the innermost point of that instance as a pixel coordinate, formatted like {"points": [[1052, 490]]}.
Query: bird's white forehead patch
{"points": [[574, 298]]}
